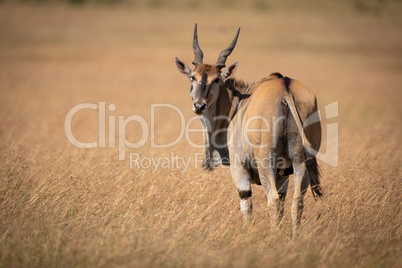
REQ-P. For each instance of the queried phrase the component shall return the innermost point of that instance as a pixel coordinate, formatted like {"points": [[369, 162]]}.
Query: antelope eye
{"points": [[192, 78]]}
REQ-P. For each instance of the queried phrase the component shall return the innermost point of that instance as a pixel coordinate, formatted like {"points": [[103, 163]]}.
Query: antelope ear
{"points": [[183, 68], [230, 71]]}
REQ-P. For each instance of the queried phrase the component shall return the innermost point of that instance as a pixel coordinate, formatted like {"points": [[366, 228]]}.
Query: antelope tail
{"points": [[309, 153]]}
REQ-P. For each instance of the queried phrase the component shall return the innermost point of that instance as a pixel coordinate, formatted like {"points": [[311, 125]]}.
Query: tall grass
{"points": [[65, 206]]}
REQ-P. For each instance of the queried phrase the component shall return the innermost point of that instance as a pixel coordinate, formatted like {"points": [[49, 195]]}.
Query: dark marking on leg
{"points": [[244, 194]]}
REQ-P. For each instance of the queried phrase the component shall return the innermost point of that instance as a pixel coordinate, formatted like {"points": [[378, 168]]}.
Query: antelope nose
{"points": [[199, 107]]}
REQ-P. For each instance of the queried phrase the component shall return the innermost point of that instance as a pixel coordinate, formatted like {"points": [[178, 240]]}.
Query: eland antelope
{"points": [[257, 129]]}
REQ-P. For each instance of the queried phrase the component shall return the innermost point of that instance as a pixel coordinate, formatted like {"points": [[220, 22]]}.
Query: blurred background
{"points": [[66, 206]]}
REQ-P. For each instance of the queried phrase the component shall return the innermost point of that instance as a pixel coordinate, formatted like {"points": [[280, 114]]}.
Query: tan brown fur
{"points": [[211, 71], [252, 127]]}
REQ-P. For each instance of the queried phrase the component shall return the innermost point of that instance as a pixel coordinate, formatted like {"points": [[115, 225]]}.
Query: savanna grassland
{"points": [[65, 206]]}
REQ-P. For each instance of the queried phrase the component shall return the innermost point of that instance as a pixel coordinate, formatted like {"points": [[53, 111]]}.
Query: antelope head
{"points": [[206, 80]]}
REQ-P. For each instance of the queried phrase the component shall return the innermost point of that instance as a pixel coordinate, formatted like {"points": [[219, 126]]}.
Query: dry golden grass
{"points": [[63, 206]]}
